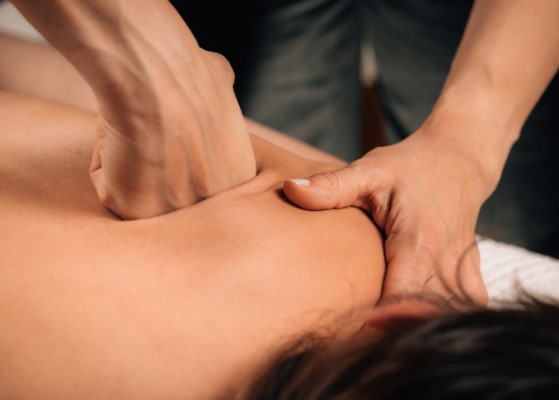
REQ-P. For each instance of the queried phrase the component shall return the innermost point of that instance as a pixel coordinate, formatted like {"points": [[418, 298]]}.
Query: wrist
{"points": [[473, 128], [488, 94]]}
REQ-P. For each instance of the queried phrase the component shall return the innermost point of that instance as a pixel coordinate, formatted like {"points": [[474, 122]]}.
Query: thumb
{"points": [[332, 189]]}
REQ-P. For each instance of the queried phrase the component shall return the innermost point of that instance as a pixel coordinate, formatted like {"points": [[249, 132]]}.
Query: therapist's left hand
{"points": [[425, 193], [186, 141]]}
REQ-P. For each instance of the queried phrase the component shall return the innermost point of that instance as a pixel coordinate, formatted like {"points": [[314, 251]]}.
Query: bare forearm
{"points": [[38, 70], [508, 55], [111, 44], [170, 129]]}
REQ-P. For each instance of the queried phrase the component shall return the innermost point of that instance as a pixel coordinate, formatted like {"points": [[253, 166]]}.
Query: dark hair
{"points": [[509, 353]]}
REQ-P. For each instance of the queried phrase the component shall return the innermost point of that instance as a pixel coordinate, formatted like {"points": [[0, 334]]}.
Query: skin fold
{"points": [[184, 305]]}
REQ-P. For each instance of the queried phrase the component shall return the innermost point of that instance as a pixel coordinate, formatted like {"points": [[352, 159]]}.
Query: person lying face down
{"points": [[191, 304], [197, 304], [187, 305]]}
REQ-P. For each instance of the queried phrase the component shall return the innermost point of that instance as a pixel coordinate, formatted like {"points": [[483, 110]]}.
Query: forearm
{"points": [[111, 44], [508, 55], [38, 70]]}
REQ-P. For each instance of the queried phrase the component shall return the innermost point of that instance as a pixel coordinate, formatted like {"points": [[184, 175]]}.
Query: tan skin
{"points": [[166, 85], [185, 305]]}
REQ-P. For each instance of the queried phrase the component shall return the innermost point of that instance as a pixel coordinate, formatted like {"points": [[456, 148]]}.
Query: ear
{"points": [[390, 317]]}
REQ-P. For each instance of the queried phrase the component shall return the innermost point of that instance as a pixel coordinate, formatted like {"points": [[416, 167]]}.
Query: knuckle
{"points": [[373, 174], [480, 297], [331, 178], [221, 65], [106, 200]]}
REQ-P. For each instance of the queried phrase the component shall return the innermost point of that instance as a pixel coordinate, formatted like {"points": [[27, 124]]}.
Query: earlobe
{"points": [[384, 319]]}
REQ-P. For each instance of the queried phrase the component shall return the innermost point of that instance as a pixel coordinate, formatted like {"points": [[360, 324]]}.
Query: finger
{"points": [[404, 280], [438, 274], [469, 278], [333, 189], [102, 193], [96, 158], [410, 259], [96, 176], [219, 66]]}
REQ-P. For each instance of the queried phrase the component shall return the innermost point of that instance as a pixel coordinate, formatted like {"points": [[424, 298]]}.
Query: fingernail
{"points": [[301, 181]]}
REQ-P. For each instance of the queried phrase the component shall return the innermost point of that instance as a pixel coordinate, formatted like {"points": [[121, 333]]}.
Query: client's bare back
{"points": [[186, 304]]}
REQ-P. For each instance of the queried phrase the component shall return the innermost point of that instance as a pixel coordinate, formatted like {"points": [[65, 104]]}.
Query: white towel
{"points": [[508, 270]]}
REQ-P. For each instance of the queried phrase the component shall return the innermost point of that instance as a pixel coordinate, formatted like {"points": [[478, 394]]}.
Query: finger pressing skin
{"points": [[438, 270], [468, 274], [96, 176], [332, 189]]}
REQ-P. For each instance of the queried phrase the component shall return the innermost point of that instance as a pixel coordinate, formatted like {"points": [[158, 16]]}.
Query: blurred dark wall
{"points": [[226, 27]]}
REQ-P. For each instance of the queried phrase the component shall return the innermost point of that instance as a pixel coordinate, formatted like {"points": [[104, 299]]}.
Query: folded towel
{"points": [[509, 270]]}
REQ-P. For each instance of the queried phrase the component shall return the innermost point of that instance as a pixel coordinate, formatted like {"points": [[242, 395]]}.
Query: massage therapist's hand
{"points": [[170, 130], [188, 144], [425, 194]]}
